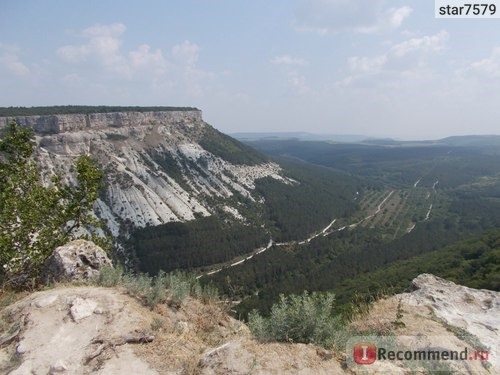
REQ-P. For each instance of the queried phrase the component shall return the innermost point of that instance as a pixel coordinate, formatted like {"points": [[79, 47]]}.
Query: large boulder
{"points": [[475, 311], [77, 260]]}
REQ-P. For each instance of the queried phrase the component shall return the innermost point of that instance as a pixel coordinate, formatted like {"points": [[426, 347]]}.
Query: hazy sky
{"points": [[372, 67]]}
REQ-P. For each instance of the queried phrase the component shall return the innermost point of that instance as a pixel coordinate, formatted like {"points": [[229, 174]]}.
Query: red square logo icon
{"points": [[365, 353]]}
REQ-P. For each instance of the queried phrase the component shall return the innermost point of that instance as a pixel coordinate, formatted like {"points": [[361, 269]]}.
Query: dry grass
{"points": [[380, 320], [184, 334]]}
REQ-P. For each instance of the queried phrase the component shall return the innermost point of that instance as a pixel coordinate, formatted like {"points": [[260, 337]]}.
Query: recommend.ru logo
{"points": [[431, 353]]}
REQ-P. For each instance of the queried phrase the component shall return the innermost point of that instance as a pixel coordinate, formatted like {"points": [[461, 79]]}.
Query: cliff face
{"points": [[54, 124], [156, 170]]}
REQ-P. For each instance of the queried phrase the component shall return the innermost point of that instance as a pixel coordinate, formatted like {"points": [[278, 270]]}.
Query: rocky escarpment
{"points": [[159, 167], [60, 123], [437, 314], [474, 311]]}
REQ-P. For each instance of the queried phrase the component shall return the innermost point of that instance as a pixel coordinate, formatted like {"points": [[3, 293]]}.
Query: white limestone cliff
{"points": [[155, 169]]}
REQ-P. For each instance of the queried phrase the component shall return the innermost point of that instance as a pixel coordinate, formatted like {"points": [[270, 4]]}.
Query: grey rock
{"points": [[55, 124], [46, 300], [140, 190], [475, 310], [77, 260], [58, 367], [82, 308], [182, 327], [21, 348]]}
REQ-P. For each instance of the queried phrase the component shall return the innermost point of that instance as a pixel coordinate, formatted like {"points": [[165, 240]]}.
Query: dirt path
{"points": [[324, 232]]}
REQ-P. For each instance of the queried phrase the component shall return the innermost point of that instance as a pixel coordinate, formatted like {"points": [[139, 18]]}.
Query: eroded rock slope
{"points": [[160, 167]]}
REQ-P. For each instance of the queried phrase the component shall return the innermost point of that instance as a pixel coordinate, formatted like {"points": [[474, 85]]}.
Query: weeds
{"points": [[398, 322], [7, 298], [137, 284], [157, 324], [180, 285], [173, 288], [156, 293]]}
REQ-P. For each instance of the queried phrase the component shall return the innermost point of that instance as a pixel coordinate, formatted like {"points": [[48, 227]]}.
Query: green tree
{"points": [[36, 217]]}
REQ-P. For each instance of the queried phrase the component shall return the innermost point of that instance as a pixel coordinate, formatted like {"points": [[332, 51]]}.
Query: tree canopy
{"points": [[36, 217]]}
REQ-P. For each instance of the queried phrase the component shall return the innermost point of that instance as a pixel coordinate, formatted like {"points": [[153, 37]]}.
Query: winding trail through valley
{"points": [[324, 232]]}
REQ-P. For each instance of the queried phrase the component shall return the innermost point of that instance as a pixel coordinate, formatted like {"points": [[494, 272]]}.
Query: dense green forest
{"points": [[327, 262], [300, 208], [474, 262], [202, 242], [448, 194], [315, 196], [399, 211], [398, 166], [229, 148], [82, 109]]}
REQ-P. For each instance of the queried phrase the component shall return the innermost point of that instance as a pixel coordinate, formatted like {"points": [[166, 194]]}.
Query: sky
{"points": [[372, 67]]}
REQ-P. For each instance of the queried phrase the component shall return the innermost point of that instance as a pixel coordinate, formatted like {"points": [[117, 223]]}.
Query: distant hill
{"points": [[302, 136], [473, 140]]}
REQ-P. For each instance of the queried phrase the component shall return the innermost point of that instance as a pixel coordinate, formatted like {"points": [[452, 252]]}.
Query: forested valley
{"points": [[395, 212]]}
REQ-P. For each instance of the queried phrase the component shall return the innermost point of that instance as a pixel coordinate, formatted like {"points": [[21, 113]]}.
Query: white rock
{"points": [[26, 368], [82, 308], [140, 189], [476, 311], [182, 327], [46, 300], [21, 348], [58, 367], [77, 260], [99, 311]]}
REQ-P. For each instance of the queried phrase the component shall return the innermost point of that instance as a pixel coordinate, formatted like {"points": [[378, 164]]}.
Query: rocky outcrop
{"points": [[50, 343], [54, 124], [471, 310], [156, 169], [435, 315], [77, 260], [80, 330]]}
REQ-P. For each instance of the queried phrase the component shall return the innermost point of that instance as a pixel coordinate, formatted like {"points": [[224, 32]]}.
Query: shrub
{"points": [[305, 318], [109, 276], [156, 293], [180, 285], [137, 284], [209, 293]]}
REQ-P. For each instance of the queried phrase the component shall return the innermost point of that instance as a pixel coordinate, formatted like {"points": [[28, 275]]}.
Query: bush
{"points": [[209, 293], [157, 292], [109, 276], [180, 286], [305, 318], [137, 284]]}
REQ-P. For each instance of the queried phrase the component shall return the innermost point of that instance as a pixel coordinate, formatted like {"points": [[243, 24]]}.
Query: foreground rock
{"points": [[105, 331], [438, 314], [83, 330], [77, 260], [60, 326], [471, 310]]}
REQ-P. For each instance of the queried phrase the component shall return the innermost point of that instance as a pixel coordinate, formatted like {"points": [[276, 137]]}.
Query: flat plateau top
{"points": [[81, 109]]}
